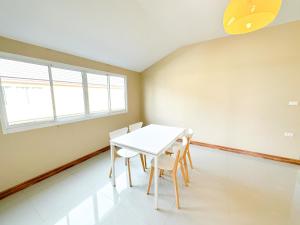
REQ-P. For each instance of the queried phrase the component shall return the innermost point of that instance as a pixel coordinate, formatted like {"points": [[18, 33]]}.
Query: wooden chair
{"points": [[135, 126], [171, 163], [188, 133], [132, 128], [125, 153]]}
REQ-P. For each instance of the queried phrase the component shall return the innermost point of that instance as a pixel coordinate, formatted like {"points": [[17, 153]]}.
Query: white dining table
{"points": [[151, 140]]}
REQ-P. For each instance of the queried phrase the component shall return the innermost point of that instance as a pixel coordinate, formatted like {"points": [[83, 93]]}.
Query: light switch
{"points": [[293, 103], [288, 134]]}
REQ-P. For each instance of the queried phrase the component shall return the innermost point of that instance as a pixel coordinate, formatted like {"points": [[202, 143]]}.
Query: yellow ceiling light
{"points": [[244, 16]]}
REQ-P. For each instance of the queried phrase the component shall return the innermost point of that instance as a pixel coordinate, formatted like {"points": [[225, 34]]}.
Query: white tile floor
{"points": [[225, 188]]}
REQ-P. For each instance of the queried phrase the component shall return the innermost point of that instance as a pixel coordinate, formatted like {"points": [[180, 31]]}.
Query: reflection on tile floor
{"points": [[225, 188]]}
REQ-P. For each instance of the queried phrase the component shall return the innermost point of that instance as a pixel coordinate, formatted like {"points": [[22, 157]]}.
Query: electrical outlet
{"points": [[293, 103], [288, 134]]}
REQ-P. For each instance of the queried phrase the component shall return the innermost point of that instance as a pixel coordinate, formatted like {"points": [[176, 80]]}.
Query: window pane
{"points": [[11, 68], [26, 90], [68, 92], [117, 93], [98, 93]]}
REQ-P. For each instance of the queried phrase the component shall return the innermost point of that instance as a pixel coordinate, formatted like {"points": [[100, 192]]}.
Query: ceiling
{"points": [[132, 34]]}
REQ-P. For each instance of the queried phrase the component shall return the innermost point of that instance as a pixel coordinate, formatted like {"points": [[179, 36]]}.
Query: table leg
{"points": [[112, 157], [155, 183]]}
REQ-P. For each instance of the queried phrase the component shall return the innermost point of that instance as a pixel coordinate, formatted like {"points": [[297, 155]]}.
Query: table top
{"points": [[152, 139]]}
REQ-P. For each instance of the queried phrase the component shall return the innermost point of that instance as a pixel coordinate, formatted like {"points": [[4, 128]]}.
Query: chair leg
{"points": [[186, 170], [150, 179], [129, 173], [176, 189], [143, 162], [110, 172], [183, 174], [161, 172], [190, 158]]}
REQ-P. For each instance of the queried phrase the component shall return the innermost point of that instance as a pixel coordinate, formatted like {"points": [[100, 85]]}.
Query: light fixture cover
{"points": [[244, 16]]}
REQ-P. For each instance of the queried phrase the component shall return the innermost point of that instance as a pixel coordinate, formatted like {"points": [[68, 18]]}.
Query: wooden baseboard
{"points": [[50, 173], [246, 152], [57, 170]]}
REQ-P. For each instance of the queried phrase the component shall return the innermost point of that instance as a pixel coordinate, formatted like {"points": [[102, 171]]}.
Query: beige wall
{"points": [[28, 154], [232, 91]]}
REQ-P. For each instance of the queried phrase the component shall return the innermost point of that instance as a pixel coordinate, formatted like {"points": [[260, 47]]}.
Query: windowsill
{"points": [[58, 122]]}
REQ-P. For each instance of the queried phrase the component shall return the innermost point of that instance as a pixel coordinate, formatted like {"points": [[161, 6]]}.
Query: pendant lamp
{"points": [[244, 16]]}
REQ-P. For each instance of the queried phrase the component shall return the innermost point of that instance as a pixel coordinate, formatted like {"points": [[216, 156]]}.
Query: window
{"points": [[117, 93], [68, 92], [38, 95], [26, 92], [98, 92]]}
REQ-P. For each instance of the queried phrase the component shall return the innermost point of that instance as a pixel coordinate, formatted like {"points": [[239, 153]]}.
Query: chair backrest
{"points": [[183, 147], [181, 151], [189, 133], [117, 133], [135, 126]]}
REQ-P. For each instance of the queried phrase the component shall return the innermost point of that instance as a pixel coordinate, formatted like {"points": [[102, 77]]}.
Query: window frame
{"points": [[6, 128], [109, 97], [86, 93], [85, 104]]}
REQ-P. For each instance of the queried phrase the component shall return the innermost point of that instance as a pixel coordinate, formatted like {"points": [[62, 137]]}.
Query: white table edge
{"points": [[146, 152]]}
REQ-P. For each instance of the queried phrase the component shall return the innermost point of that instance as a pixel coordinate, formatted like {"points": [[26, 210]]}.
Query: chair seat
{"points": [[126, 153], [164, 162]]}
